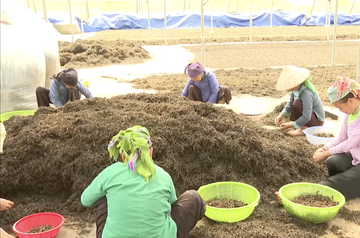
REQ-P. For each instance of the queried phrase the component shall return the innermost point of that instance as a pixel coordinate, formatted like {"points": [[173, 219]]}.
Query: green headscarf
{"points": [[134, 143], [307, 83]]}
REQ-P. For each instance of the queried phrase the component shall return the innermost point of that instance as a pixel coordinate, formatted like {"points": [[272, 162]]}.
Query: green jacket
{"points": [[135, 209]]}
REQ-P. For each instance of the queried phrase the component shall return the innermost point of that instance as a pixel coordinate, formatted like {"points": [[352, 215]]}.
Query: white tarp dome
{"points": [[29, 56]]}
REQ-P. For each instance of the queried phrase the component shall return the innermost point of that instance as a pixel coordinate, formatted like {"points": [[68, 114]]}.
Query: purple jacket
{"points": [[208, 86], [348, 140]]}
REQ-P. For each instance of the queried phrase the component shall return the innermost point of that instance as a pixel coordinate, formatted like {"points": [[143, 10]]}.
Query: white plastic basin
{"points": [[316, 140]]}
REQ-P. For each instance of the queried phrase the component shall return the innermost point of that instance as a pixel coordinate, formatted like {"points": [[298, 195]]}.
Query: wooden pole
{"points": [[334, 35], [35, 10], [312, 8], [251, 5], [352, 7], [71, 23], [44, 10], [271, 13], [87, 10], [328, 17], [212, 24], [165, 22], [358, 66], [81, 19], [148, 3], [202, 34]]}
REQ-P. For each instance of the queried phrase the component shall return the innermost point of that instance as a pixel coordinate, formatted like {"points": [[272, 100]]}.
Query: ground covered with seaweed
{"points": [[231, 34], [52, 156], [90, 53], [257, 82]]}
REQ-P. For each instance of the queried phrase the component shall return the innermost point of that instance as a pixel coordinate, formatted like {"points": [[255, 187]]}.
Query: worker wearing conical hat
{"points": [[304, 107], [342, 155]]}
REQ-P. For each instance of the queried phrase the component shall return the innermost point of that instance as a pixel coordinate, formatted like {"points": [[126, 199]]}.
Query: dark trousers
{"points": [[42, 97], [296, 113], [194, 94], [343, 175], [185, 212]]}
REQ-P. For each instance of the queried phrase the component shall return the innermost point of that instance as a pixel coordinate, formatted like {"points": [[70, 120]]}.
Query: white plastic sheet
{"points": [[22, 69], [29, 56]]}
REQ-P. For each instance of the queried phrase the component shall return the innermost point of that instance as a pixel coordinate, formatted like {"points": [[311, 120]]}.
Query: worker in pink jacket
{"points": [[342, 155]]}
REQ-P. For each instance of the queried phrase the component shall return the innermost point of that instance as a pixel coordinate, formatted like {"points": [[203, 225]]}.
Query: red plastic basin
{"points": [[26, 224]]}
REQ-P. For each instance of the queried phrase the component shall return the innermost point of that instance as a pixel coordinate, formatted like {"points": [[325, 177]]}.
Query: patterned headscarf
{"points": [[135, 144], [342, 87]]}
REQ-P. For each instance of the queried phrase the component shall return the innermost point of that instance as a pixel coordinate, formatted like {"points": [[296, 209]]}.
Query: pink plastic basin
{"points": [[26, 224]]}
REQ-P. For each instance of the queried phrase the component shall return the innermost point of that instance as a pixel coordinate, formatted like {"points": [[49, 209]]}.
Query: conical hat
{"points": [[291, 77]]}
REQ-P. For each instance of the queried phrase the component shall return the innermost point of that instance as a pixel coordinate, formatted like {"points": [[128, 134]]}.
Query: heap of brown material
{"points": [[315, 200], [41, 229], [225, 203], [326, 135], [51, 157], [89, 53]]}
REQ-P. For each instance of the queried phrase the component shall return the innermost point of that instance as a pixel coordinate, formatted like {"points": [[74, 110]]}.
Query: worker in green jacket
{"points": [[136, 198]]}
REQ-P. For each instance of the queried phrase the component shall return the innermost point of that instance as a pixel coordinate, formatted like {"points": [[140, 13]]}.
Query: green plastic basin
{"points": [[306, 213], [231, 190], [85, 82], [5, 116]]}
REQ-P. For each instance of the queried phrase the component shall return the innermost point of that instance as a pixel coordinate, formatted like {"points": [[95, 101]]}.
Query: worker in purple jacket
{"points": [[203, 86], [342, 155]]}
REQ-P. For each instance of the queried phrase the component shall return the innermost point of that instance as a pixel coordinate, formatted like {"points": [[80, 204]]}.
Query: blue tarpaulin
{"points": [[318, 19], [64, 18], [186, 20]]}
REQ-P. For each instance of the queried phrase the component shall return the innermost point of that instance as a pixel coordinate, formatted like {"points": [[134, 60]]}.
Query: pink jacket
{"points": [[348, 140]]}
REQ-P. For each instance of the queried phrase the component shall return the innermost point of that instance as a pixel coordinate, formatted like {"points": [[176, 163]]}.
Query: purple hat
{"points": [[194, 69]]}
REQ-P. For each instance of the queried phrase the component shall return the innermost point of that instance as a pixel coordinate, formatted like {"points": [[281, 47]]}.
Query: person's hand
{"points": [[320, 150], [5, 204], [278, 196], [321, 156], [286, 126], [279, 118]]}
